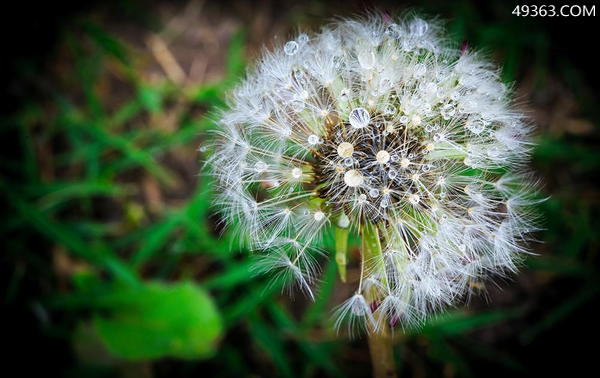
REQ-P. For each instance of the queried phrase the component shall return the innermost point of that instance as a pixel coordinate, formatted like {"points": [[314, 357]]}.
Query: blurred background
{"points": [[112, 261]]}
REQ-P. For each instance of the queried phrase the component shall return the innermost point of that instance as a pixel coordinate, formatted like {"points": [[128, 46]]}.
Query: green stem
{"points": [[380, 339], [381, 349]]}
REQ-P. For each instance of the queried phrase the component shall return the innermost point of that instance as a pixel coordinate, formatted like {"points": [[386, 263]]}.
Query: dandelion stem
{"points": [[380, 347], [380, 339]]}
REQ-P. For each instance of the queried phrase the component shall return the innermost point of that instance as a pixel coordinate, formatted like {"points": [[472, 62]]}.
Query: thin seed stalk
{"points": [[379, 334]]}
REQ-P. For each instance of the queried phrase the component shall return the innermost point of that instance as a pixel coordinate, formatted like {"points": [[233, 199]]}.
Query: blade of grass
{"points": [[97, 254]]}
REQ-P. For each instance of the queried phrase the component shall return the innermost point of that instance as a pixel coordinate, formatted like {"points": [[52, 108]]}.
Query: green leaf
{"points": [[459, 322], [97, 253], [269, 340], [159, 320], [107, 42], [151, 99]]}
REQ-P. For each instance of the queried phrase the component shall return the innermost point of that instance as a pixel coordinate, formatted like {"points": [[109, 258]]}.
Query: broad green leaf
{"points": [[159, 320]]}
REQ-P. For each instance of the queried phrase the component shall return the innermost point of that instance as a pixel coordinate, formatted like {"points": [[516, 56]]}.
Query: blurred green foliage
{"points": [[139, 278]]}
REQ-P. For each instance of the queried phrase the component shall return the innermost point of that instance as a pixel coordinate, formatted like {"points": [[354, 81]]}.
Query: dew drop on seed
{"points": [[353, 178], [382, 157], [392, 31], [348, 162], [385, 202], [448, 111], [493, 152], [344, 94], [296, 173], [418, 27], [291, 48], [374, 193], [313, 140], [359, 118], [392, 174], [389, 110], [345, 149], [303, 38], [475, 125], [260, 167], [298, 106], [366, 58]]}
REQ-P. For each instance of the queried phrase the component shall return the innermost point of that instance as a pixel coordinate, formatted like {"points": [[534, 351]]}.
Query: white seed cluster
{"points": [[378, 122]]}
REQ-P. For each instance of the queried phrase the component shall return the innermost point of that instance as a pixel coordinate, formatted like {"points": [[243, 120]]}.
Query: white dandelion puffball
{"points": [[378, 128]]}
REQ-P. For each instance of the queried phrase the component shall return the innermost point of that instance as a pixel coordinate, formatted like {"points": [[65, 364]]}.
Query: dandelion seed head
{"points": [[379, 123]]}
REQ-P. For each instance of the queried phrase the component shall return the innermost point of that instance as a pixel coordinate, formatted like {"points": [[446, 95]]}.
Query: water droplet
{"points": [[291, 48], [382, 157], [303, 38], [390, 109], [366, 58], [418, 27], [260, 167], [362, 198], [374, 193], [296, 173], [392, 31], [420, 70], [319, 215], [448, 111], [344, 94], [493, 152], [414, 199], [353, 178], [475, 125], [385, 202], [431, 88], [298, 106], [313, 139], [348, 161], [359, 118], [392, 174]]}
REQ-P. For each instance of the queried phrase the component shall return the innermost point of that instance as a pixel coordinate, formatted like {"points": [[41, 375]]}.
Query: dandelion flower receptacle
{"points": [[380, 128]]}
